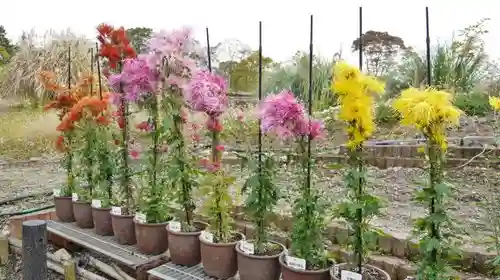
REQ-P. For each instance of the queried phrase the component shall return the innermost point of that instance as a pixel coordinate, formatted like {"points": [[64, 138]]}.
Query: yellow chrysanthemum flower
{"points": [[494, 103], [355, 92], [430, 111]]}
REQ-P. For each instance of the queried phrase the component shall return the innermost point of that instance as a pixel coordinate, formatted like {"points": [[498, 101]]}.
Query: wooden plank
{"points": [[4, 250]]}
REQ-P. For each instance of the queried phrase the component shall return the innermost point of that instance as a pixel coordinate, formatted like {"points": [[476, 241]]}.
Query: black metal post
{"points": [[428, 47], [209, 55], [98, 62], [309, 103], [360, 46], [34, 251], [260, 97], [92, 71]]}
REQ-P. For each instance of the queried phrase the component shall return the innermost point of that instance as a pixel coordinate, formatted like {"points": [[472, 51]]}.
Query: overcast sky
{"points": [[285, 23]]}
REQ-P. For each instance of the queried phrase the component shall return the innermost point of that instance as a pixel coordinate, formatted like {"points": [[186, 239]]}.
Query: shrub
{"points": [[385, 114], [473, 104]]}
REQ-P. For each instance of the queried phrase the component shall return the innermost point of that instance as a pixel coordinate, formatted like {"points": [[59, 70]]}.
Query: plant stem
{"points": [[69, 164], [126, 174], [359, 212], [216, 158], [435, 179]]}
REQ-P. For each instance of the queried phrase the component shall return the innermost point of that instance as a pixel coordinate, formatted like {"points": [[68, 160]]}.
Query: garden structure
{"points": [[161, 203]]}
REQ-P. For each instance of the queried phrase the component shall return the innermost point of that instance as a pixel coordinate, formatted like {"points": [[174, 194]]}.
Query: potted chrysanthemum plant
{"points": [[356, 93], [431, 111], [64, 101], [207, 93], [283, 115], [115, 47], [170, 52]]}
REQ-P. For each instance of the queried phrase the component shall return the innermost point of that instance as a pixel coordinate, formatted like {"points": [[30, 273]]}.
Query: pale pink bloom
{"points": [[207, 92]]}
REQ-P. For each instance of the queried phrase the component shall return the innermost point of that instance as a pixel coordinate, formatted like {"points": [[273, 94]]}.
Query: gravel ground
{"points": [[395, 185]]}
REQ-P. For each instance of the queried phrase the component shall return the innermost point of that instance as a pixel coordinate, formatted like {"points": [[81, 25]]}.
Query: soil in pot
{"points": [[370, 272], [123, 229], [289, 273], [260, 266], [102, 221], [83, 214], [151, 238], [185, 245], [64, 208], [219, 259]]}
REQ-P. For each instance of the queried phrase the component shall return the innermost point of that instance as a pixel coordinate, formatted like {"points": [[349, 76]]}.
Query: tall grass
{"points": [[295, 76]]}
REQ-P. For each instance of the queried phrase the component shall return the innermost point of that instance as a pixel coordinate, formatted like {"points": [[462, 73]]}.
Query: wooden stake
{"points": [[70, 270], [4, 250]]}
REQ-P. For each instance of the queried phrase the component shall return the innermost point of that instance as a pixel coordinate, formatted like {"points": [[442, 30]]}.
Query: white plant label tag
{"points": [[207, 236], [174, 226], [297, 263], [140, 217], [349, 275], [247, 247], [115, 210], [57, 192], [96, 203], [74, 196]]}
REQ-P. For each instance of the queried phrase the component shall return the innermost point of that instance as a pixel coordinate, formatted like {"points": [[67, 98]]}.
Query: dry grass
{"points": [[43, 53], [25, 134]]}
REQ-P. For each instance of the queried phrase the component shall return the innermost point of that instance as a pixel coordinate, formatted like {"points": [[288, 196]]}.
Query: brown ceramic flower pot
{"points": [[382, 275], [219, 259], [151, 238], [83, 214], [289, 273], [253, 267], [102, 221], [64, 209], [184, 247], [123, 228]]}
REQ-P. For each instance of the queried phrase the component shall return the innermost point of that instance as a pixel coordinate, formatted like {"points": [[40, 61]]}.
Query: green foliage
{"points": [[153, 203], [309, 219], [435, 230], [296, 78], [138, 37], [7, 49], [218, 203], [105, 167], [243, 75], [385, 114], [263, 194], [460, 66], [181, 171], [358, 208], [473, 104]]}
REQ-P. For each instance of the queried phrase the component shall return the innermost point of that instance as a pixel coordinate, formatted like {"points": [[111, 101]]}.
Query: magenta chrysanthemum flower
{"points": [[207, 92], [136, 78], [282, 114]]}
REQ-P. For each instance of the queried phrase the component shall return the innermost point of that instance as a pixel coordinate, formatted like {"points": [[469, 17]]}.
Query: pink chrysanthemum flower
{"points": [[282, 114], [207, 92], [136, 78]]}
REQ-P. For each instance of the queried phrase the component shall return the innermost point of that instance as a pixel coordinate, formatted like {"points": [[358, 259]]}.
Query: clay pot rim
{"points": [[121, 216], [63, 197], [151, 225], [202, 240], [101, 208], [81, 202], [319, 271], [187, 233], [378, 269], [265, 257]]}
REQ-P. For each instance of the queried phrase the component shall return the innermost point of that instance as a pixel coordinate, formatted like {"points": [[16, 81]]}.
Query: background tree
{"points": [[380, 50], [7, 49], [243, 75], [138, 37]]}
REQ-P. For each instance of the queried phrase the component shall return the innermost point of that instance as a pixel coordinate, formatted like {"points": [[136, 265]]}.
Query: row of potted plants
{"points": [[167, 84]]}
